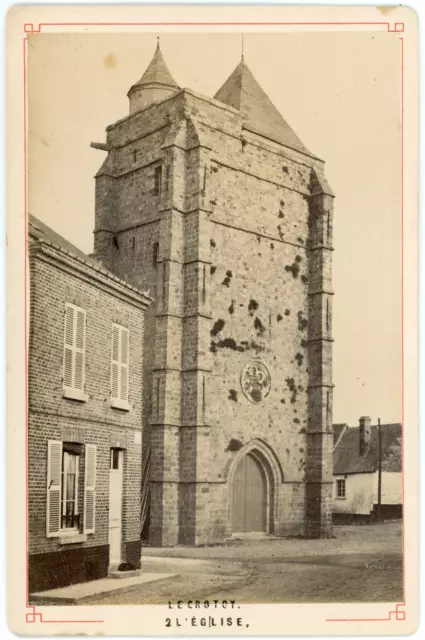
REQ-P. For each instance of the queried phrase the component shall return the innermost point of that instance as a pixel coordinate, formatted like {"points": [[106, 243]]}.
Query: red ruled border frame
{"points": [[398, 613]]}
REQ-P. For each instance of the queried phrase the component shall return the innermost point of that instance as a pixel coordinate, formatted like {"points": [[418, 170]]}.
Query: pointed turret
{"points": [[156, 83], [242, 91]]}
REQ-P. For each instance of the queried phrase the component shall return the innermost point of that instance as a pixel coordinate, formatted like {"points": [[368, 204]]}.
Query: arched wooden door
{"points": [[249, 496]]}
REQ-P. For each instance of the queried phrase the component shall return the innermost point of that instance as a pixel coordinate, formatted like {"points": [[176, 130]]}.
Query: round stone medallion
{"points": [[255, 381]]}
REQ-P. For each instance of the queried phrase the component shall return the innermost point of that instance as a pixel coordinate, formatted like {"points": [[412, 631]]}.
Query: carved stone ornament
{"points": [[255, 381]]}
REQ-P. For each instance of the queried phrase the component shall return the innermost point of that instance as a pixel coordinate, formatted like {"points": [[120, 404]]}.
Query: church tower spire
{"points": [[243, 92], [155, 84]]}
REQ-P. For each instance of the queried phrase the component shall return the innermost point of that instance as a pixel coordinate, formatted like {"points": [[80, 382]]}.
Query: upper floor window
{"points": [[157, 180], [74, 352], [119, 366]]}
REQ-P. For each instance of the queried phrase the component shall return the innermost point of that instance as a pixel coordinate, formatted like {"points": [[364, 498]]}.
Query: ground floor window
{"points": [[71, 487], [70, 516], [340, 488]]}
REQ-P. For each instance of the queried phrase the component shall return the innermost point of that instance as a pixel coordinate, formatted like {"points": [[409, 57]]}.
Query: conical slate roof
{"points": [[157, 72], [242, 91]]}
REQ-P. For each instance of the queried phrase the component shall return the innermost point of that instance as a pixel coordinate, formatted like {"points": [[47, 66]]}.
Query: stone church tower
{"points": [[217, 207]]}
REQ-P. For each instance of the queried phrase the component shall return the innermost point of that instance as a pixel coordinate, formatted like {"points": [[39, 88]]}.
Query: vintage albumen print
{"points": [[214, 225]]}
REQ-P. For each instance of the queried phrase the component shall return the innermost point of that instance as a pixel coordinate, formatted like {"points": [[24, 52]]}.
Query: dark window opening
{"points": [[155, 253], [157, 180], [115, 458], [327, 316]]}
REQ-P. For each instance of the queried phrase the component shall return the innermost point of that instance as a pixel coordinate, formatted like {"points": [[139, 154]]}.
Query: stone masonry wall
{"points": [[258, 294], [232, 284]]}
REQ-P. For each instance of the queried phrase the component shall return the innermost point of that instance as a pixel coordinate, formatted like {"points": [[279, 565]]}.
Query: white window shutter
{"points": [[89, 488], [119, 362], [80, 344], [124, 364], [68, 357], [115, 362], [54, 482], [74, 347]]}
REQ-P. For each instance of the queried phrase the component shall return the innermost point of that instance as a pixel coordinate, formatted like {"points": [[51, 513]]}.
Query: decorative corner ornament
{"points": [[255, 381]]}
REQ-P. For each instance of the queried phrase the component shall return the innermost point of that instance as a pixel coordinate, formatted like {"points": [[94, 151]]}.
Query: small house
{"points": [[359, 453]]}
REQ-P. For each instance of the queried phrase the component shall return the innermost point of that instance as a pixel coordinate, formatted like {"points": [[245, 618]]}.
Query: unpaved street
{"points": [[361, 564]]}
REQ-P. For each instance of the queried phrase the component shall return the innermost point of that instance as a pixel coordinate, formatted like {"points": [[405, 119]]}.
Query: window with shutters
{"points": [[64, 500], [119, 367], [70, 516], [74, 353]]}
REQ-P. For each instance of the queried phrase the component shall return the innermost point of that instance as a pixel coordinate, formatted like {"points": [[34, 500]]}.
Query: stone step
{"points": [[119, 575], [86, 591]]}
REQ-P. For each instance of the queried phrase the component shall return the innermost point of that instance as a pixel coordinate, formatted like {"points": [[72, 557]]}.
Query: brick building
{"points": [[217, 207], [85, 375]]}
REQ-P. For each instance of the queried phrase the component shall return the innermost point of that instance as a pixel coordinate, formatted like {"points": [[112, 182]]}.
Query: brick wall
{"points": [[53, 417]]}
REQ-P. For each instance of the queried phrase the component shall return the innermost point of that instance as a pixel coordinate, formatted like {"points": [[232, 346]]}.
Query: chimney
{"points": [[364, 434]]}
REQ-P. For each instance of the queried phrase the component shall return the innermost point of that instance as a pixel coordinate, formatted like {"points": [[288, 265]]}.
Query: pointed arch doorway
{"points": [[250, 496]]}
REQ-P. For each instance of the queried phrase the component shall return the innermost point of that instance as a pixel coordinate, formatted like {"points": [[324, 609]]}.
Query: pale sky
{"points": [[340, 92]]}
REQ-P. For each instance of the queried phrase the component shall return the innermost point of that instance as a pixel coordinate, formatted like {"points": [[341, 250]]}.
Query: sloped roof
{"points": [[347, 458], [157, 72], [338, 429], [242, 91], [40, 231]]}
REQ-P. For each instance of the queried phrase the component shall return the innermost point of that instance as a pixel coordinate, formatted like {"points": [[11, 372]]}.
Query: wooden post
{"points": [[378, 511]]}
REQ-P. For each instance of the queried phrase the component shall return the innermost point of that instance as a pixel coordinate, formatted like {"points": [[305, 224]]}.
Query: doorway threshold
{"points": [[251, 535]]}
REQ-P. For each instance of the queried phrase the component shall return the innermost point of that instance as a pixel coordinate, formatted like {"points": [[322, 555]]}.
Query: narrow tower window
{"points": [[134, 156], [327, 316], [167, 177], [157, 181], [157, 399], [328, 406], [155, 253], [204, 184], [204, 288]]}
